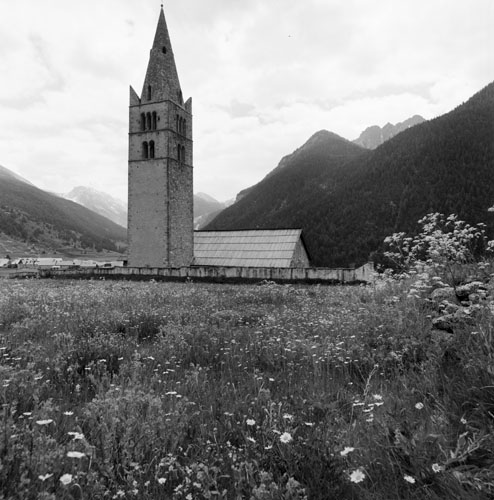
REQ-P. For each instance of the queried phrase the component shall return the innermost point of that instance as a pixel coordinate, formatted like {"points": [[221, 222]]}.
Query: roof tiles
{"points": [[249, 248]]}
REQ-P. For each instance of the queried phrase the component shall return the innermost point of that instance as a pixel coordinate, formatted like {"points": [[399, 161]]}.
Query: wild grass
{"points": [[195, 391]]}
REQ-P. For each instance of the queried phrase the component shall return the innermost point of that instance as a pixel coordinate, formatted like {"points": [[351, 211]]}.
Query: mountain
{"points": [[31, 215], [283, 198], [206, 208], [205, 204], [374, 136], [5, 173], [100, 202], [348, 199]]}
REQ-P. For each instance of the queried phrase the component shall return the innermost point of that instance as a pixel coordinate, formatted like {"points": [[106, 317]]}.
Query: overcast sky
{"points": [[264, 75]]}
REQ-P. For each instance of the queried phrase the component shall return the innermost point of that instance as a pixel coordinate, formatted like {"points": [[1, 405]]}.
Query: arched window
{"points": [[151, 149], [183, 154], [145, 151], [177, 123], [185, 127], [155, 120], [148, 116], [149, 92], [143, 122]]}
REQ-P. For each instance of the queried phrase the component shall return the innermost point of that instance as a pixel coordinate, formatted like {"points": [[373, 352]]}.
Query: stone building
{"points": [[160, 220]]}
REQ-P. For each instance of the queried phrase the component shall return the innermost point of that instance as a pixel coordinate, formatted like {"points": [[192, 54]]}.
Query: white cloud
{"points": [[264, 76]]}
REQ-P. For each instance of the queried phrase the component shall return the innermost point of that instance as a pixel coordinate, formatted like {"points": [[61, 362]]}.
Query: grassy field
{"points": [[194, 391]]}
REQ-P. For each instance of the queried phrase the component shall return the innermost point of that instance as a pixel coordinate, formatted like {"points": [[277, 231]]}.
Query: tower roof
{"points": [[161, 80]]}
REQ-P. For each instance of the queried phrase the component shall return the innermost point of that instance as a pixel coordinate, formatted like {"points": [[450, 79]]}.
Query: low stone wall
{"points": [[222, 274]]}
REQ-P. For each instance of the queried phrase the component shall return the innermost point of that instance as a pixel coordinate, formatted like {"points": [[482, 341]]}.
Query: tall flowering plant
{"points": [[442, 244]]}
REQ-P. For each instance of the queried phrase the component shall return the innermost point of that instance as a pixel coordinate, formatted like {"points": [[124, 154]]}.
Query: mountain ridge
{"points": [[445, 164], [30, 214], [374, 136]]}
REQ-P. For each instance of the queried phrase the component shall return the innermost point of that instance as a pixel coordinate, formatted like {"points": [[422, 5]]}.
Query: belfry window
{"points": [[151, 149], [155, 120], [179, 153], [184, 131], [145, 150], [148, 116], [183, 154], [149, 92], [143, 122]]}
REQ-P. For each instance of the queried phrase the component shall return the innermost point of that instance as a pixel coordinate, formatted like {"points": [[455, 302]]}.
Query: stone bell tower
{"points": [[160, 220]]}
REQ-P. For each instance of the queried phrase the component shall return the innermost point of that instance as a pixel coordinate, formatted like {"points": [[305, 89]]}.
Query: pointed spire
{"points": [[161, 80]]}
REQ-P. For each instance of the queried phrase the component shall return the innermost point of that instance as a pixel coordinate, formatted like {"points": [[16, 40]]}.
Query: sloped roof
{"points": [[249, 248]]}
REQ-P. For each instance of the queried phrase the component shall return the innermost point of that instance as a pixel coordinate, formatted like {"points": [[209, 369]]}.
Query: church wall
{"points": [[226, 274], [300, 257], [147, 214], [181, 215]]}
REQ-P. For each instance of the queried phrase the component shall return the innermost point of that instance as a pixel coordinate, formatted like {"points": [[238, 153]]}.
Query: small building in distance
{"points": [[282, 248]]}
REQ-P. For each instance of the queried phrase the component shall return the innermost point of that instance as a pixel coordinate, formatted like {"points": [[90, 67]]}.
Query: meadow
{"points": [[124, 390]]}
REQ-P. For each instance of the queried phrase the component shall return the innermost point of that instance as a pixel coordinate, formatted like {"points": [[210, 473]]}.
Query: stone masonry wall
{"points": [[226, 274]]}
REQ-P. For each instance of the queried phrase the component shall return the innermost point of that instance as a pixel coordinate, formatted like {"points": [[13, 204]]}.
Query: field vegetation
{"points": [[193, 391]]}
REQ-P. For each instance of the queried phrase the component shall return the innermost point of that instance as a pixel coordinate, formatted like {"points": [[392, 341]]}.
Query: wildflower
{"points": [[251, 439], [44, 422], [171, 393], [66, 479], [437, 468], [409, 479], [76, 435], [309, 424], [44, 477], [68, 413], [346, 451], [463, 420], [357, 476], [419, 406], [27, 413], [377, 396], [75, 454], [287, 416], [250, 421], [269, 447], [286, 437]]}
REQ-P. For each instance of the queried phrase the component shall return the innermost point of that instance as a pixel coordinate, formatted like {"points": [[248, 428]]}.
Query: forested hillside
{"points": [[347, 199], [33, 215]]}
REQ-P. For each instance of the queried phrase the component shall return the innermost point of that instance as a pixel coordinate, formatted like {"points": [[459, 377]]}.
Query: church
{"points": [[160, 193]]}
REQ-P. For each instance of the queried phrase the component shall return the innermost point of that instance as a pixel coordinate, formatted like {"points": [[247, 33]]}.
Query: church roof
{"points": [[161, 80], [247, 248]]}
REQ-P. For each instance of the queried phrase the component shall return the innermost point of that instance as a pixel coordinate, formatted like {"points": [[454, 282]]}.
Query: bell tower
{"points": [[160, 220]]}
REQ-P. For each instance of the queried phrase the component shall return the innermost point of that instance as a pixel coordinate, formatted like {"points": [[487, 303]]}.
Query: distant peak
{"points": [[374, 136], [324, 135]]}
